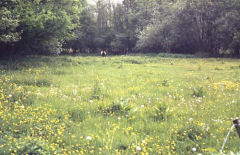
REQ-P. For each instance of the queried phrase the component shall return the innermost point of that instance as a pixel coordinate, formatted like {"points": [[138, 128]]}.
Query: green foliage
{"points": [[193, 26], [32, 146], [77, 114], [207, 28], [115, 109], [198, 92], [86, 33], [46, 24], [40, 26], [165, 83], [161, 112], [96, 92], [187, 137], [191, 132], [8, 22]]}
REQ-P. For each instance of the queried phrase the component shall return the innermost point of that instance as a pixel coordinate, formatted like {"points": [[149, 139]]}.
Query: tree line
{"points": [[37, 26], [209, 27]]}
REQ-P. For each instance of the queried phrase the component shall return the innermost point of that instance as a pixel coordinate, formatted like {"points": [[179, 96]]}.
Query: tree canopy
{"points": [[174, 26], [38, 26]]}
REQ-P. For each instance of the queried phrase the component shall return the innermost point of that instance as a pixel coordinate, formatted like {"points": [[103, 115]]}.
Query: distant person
{"points": [[103, 53]]}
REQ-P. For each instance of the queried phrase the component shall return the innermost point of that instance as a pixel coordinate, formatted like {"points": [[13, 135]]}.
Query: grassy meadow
{"points": [[140, 104]]}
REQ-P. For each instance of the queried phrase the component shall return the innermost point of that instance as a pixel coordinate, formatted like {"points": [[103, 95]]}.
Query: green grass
{"points": [[118, 104]]}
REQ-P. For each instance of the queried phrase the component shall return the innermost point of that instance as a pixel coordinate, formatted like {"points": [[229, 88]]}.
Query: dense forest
{"points": [[209, 27]]}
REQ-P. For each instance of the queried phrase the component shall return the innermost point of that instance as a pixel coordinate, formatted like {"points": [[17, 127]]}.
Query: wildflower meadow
{"points": [[139, 104]]}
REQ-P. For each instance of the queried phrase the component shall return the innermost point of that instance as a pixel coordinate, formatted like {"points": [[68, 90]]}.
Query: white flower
{"points": [[91, 101], [142, 106], [10, 95], [89, 138], [138, 148], [119, 118], [143, 141], [74, 92], [207, 128], [135, 109], [22, 107], [190, 119], [194, 149]]}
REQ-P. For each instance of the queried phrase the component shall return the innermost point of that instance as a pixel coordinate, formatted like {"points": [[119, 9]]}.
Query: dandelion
{"points": [[194, 149], [89, 138], [73, 136], [135, 109], [207, 128], [74, 92], [138, 148]]}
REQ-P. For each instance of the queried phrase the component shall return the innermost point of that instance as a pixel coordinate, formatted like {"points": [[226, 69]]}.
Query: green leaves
{"points": [[8, 22], [44, 23], [192, 26]]}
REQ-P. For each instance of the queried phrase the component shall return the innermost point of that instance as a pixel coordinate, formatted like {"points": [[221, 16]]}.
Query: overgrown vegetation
{"points": [[94, 107]]}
